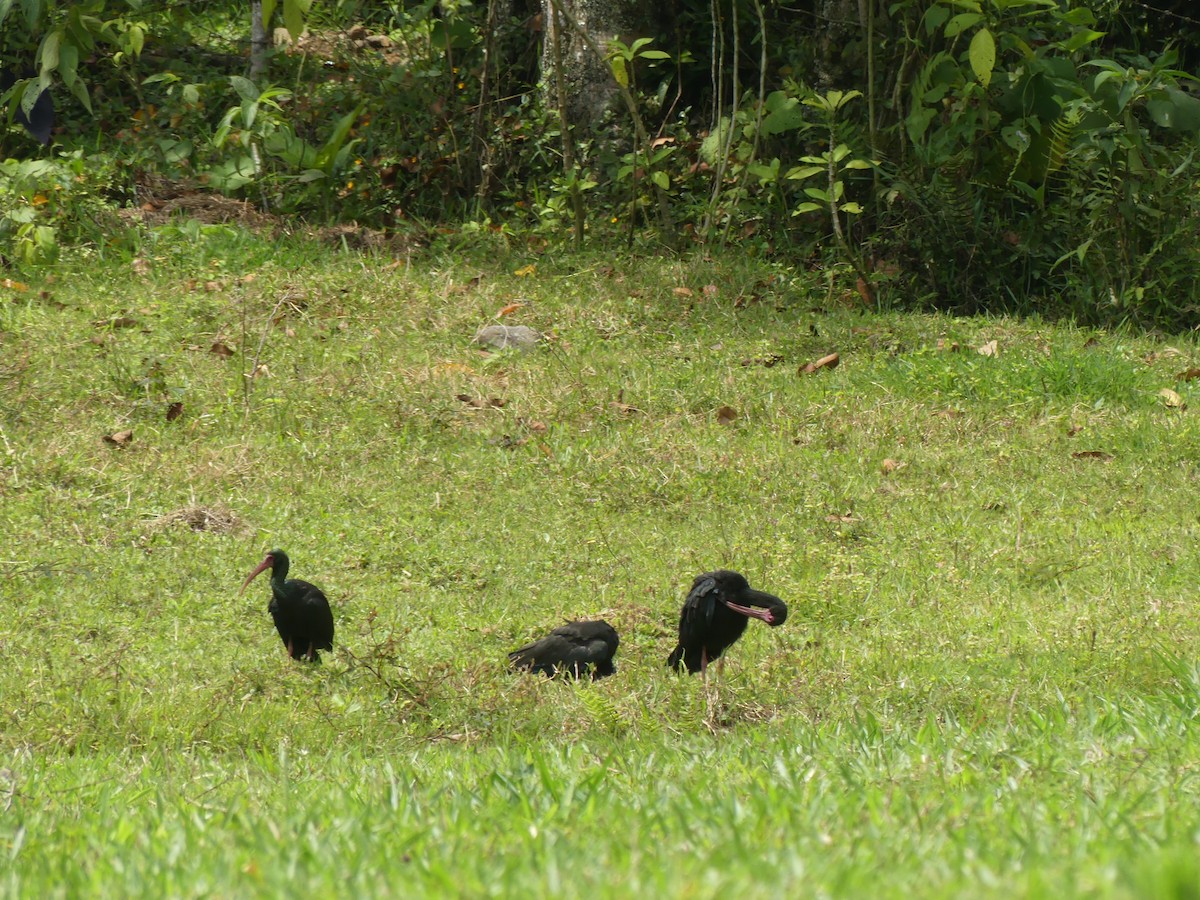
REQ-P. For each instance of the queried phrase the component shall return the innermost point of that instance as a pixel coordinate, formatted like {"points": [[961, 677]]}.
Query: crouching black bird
{"points": [[300, 610], [40, 117], [715, 614], [571, 649]]}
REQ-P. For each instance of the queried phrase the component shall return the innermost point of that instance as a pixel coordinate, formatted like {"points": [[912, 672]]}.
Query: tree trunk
{"points": [[587, 80], [836, 71], [258, 40]]}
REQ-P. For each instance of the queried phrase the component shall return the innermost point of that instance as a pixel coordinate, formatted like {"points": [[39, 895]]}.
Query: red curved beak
{"points": [[751, 611], [262, 567]]}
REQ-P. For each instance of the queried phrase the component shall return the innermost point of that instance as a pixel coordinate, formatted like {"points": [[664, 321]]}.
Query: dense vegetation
{"points": [[238, 313], [985, 154]]}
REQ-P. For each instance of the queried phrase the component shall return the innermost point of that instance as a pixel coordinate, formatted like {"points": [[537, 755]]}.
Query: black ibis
{"points": [[40, 119], [715, 614], [300, 610], [571, 649]]}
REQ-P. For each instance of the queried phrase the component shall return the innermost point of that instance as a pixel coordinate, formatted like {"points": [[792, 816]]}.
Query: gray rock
{"points": [[501, 337]]}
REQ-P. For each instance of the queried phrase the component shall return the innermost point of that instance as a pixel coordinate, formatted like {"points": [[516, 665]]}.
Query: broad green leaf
{"points": [[661, 178], [817, 194], [1079, 40], [850, 207], [49, 51], [858, 164], [268, 10], [961, 23], [799, 173], [982, 54], [617, 64], [1172, 108], [245, 88], [806, 207], [68, 64], [294, 14], [935, 17]]}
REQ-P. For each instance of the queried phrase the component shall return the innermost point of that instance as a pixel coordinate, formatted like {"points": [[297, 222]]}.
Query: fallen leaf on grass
{"points": [[510, 308], [620, 407], [682, 292], [825, 362], [526, 271], [481, 403], [766, 362], [1165, 353], [843, 519], [726, 415], [119, 438], [890, 465], [991, 348], [174, 411], [1188, 374], [943, 344], [18, 286], [865, 291], [710, 291], [1092, 454], [221, 349], [1172, 399], [118, 322]]}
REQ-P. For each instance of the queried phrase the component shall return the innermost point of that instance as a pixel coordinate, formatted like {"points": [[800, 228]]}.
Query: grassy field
{"points": [[986, 686]]}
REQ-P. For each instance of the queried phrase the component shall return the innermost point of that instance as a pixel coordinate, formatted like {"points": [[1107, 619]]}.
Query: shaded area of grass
{"points": [[983, 684]]}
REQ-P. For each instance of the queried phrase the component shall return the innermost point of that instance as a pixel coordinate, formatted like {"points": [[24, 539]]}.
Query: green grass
{"points": [[986, 685]]}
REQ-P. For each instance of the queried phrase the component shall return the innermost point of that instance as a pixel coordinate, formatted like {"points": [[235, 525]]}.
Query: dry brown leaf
{"points": [[510, 308], [214, 287], [991, 348], [682, 292], [726, 415], [119, 438], [620, 407], [952, 346], [1188, 374], [865, 291], [18, 286], [140, 265], [848, 517], [1092, 454], [1172, 399], [710, 291], [174, 411], [766, 362], [825, 362], [536, 426], [890, 465], [1165, 353], [117, 322], [948, 414], [221, 349]]}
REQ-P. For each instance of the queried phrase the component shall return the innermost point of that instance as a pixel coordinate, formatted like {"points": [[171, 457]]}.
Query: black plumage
{"points": [[571, 649], [715, 614], [301, 612], [40, 118]]}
